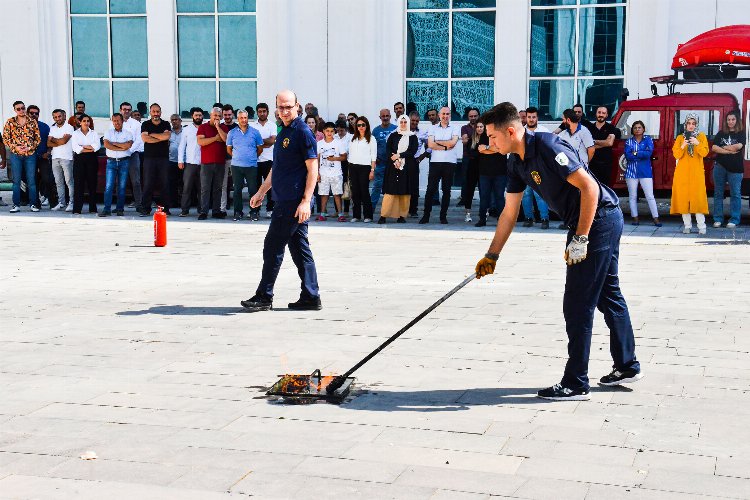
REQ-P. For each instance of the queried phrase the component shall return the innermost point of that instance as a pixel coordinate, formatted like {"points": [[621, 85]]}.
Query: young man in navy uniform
{"points": [[293, 177], [592, 213]]}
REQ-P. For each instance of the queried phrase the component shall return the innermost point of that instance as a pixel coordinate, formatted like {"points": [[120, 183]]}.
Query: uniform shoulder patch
{"points": [[562, 159]]}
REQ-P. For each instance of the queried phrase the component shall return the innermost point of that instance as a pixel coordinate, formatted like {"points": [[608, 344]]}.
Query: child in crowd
{"points": [[330, 176]]}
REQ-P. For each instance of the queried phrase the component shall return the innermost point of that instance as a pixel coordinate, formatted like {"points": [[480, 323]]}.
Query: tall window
{"points": [[109, 53], [577, 55], [216, 50], [450, 54]]}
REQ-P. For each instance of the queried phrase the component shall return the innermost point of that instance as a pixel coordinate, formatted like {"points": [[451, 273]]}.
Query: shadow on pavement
{"points": [[452, 400], [180, 310]]}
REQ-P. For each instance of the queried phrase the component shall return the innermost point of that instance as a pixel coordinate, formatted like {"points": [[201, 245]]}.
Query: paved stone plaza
{"points": [[143, 356]]}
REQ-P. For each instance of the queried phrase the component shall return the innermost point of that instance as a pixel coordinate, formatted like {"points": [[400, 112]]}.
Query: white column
{"points": [[161, 29]]}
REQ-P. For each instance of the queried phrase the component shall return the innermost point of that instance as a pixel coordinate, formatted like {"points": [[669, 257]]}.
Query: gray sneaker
{"points": [[15, 208]]}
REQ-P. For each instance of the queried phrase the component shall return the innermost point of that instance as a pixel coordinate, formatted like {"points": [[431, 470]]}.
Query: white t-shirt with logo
{"points": [[64, 152], [325, 149], [266, 131]]}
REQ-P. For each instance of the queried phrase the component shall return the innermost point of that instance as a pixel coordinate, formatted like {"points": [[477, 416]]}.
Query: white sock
{"points": [[687, 220], [701, 220]]}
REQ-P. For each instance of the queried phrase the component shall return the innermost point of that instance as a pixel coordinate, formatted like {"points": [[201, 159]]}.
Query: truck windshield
{"points": [[651, 118]]}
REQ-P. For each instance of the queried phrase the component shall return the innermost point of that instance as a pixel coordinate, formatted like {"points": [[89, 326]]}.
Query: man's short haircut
{"points": [[154, 104], [195, 109], [242, 112], [216, 109], [603, 106], [571, 115], [80, 102], [116, 115], [217, 105], [174, 115], [501, 115], [125, 103], [341, 124], [314, 111], [250, 112], [579, 105], [261, 105], [415, 113], [329, 125], [227, 107], [32, 106], [532, 109], [472, 109], [397, 103], [16, 103], [58, 110]]}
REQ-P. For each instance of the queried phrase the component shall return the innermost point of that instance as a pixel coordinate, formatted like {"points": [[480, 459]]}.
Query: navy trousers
{"points": [[594, 284], [285, 230]]}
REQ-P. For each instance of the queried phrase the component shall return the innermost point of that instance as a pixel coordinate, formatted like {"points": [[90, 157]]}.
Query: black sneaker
{"points": [[381, 220], [184, 213], [238, 216], [425, 219], [528, 223], [494, 212], [104, 214], [202, 216], [481, 223], [255, 216], [258, 303], [443, 220], [306, 304], [545, 224], [120, 213], [617, 377], [401, 220], [219, 215], [144, 213], [560, 393]]}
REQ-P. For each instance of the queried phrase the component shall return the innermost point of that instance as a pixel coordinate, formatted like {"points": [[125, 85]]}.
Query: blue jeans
{"points": [[594, 284], [528, 205], [285, 230], [377, 183], [490, 185], [116, 169], [721, 177], [21, 165]]}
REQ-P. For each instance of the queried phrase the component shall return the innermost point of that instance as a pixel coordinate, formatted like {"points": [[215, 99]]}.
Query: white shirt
{"points": [[345, 141], [189, 151], [422, 142], [134, 127], [266, 131], [581, 141], [113, 135], [80, 140], [539, 128], [362, 153], [440, 133], [325, 149], [64, 152]]}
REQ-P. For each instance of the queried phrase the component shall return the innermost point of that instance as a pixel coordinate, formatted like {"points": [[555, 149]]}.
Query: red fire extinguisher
{"points": [[160, 228]]}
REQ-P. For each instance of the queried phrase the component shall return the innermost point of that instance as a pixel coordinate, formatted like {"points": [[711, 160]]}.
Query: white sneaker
{"points": [[43, 201], [58, 207], [367, 220], [702, 229], [14, 209], [467, 218], [353, 219], [686, 229], [34, 208], [69, 208], [718, 224], [731, 225]]}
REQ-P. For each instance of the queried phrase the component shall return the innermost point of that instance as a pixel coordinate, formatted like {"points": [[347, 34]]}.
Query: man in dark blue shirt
{"points": [[292, 178], [45, 181], [381, 133], [592, 213]]}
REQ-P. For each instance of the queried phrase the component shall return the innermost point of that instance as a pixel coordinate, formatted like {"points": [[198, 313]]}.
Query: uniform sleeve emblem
{"points": [[285, 144], [562, 159], [537, 178]]}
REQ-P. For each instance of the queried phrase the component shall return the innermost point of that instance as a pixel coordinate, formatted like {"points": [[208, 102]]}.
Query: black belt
{"points": [[119, 159]]}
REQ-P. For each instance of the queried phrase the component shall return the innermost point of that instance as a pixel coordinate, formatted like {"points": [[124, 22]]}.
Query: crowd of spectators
{"points": [[190, 165]]}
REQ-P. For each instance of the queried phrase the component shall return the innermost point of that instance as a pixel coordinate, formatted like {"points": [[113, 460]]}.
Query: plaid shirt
{"points": [[16, 136]]}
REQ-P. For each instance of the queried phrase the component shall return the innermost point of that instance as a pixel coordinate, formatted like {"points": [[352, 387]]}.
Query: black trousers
{"points": [[191, 182], [155, 168], [175, 184], [359, 178], [85, 170], [212, 177], [264, 168], [413, 175], [471, 180], [440, 172], [46, 184], [345, 171]]}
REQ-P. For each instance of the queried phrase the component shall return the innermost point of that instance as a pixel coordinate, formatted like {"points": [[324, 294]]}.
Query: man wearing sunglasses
{"points": [[21, 137]]}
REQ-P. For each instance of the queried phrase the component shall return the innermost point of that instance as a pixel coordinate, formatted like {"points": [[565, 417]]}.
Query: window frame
{"points": [[625, 5], [449, 79], [110, 79], [217, 78]]}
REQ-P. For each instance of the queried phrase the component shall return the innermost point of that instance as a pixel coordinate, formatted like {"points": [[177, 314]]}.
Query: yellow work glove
{"points": [[486, 265]]}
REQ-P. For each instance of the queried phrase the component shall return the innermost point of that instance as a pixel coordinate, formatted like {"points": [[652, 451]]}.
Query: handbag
{"points": [[347, 191]]}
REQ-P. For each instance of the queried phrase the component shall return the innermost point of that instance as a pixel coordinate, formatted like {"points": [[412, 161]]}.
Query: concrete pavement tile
{"points": [[441, 440], [543, 488], [607, 492], [733, 467], [458, 495], [357, 469], [461, 480], [699, 484], [569, 470], [116, 470], [679, 462], [606, 437]]}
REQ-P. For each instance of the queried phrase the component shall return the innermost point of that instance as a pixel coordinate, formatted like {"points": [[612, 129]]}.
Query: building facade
{"points": [[345, 55]]}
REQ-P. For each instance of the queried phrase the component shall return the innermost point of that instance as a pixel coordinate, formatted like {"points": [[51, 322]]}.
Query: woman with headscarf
{"points": [[401, 146], [689, 182]]}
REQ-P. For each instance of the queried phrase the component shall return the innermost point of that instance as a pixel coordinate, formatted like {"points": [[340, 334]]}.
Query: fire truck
{"points": [[718, 56]]}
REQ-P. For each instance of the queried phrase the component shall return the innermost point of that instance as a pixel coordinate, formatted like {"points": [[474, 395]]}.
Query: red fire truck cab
{"points": [[695, 62]]}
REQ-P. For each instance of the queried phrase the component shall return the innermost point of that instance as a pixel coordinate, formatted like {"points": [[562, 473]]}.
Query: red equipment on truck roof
{"points": [[725, 45]]}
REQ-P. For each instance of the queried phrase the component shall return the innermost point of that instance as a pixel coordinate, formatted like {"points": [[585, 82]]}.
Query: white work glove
{"points": [[576, 249]]}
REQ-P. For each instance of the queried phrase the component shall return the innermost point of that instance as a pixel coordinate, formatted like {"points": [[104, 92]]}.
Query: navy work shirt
{"points": [[294, 144], [547, 163]]}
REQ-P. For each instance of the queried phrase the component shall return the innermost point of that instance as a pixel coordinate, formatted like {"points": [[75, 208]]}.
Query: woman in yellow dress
{"points": [[689, 183]]}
